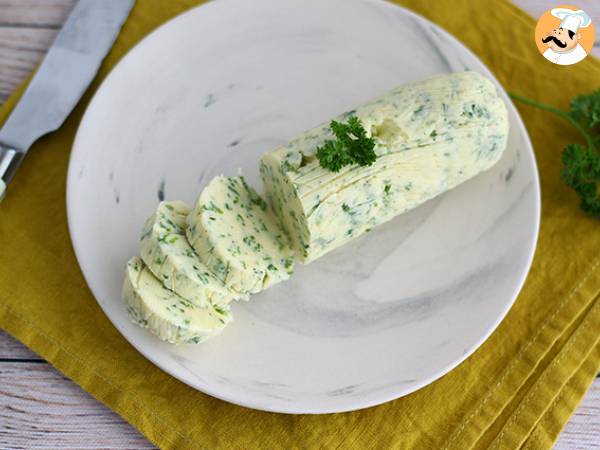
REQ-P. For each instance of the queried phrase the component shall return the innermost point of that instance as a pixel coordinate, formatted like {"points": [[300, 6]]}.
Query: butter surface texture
{"points": [[431, 136]]}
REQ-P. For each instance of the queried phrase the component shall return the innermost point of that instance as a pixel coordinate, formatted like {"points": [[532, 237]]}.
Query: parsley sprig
{"points": [[581, 163], [351, 146]]}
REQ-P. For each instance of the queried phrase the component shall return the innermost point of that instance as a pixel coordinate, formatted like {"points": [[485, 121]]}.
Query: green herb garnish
{"points": [[581, 163], [351, 146]]}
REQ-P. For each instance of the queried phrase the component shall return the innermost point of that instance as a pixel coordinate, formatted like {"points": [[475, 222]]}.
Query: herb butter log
{"points": [[429, 136], [166, 314], [170, 257], [237, 237]]}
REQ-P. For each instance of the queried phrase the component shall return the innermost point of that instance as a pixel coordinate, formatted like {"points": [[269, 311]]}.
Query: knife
{"points": [[62, 78]]}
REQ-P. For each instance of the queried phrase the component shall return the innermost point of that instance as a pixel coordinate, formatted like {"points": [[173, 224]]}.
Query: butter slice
{"points": [[166, 314], [167, 253], [237, 237]]}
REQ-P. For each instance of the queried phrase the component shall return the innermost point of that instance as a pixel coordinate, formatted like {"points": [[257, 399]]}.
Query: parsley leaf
{"points": [[581, 164], [587, 107], [351, 146], [581, 171]]}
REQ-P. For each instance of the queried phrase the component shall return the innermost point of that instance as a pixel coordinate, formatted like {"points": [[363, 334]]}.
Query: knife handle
{"points": [[10, 159]]}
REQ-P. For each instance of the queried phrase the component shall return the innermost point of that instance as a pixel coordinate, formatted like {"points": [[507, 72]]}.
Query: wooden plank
{"points": [[21, 50], [13, 350], [39, 408], [27, 28], [34, 13], [583, 430], [27, 39], [535, 8]]}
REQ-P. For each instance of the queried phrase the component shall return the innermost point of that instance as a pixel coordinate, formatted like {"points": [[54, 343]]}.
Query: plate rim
{"points": [[375, 398]]}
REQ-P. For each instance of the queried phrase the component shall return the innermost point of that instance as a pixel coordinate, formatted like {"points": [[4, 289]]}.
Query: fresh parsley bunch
{"points": [[581, 163], [351, 146]]}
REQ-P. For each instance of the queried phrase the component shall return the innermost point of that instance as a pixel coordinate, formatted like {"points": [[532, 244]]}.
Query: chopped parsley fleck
{"points": [[287, 167], [250, 241], [232, 189], [219, 309], [212, 207], [419, 111], [347, 209]]}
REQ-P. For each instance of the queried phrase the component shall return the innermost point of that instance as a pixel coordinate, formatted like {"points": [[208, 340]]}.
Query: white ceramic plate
{"points": [[213, 89]]}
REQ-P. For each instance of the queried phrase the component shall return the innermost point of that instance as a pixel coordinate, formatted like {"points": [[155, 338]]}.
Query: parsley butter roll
{"points": [[237, 237], [170, 257], [166, 314], [429, 135]]}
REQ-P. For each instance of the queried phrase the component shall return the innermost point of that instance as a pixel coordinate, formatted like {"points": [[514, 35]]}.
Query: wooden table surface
{"points": [[39, 407]]}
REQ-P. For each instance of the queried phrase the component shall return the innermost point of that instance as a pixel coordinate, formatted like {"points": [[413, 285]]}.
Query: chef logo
{"points": [[564, 35]]}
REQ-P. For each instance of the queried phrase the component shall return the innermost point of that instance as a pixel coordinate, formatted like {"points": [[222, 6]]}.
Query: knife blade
{"points": [[63, 76]]}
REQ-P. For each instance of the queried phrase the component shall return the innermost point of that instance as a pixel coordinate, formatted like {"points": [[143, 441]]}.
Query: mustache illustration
{"points": [[556, 41]]}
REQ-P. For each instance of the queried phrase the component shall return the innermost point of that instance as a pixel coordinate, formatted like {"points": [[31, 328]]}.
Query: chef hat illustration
{"points": [[571, 20]]}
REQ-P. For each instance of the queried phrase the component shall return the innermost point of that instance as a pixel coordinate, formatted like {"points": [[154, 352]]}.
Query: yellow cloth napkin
{"points": [[516, 391]]}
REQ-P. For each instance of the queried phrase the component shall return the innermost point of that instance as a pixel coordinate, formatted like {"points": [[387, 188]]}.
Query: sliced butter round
{"points": [[170, 257], [239, 240], [166, 314]]}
